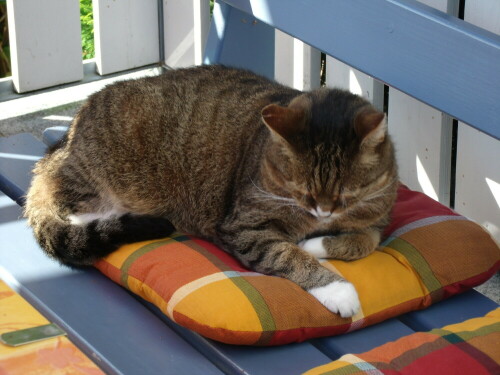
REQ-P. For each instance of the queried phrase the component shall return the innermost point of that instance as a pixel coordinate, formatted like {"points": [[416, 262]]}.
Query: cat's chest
{"points": [[313, 225]]}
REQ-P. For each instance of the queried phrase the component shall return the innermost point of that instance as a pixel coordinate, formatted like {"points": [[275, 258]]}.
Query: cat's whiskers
{"points": [[265, 195]]}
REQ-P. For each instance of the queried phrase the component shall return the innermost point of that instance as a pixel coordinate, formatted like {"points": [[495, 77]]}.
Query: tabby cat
{"points": [[272, 175]]}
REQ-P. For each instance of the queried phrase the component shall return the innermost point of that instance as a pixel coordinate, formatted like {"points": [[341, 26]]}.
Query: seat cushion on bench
{"points": [[470, 347], [429, 253]]}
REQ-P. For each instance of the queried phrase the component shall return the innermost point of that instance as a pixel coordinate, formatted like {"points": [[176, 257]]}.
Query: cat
{"points": [[274, 176]]}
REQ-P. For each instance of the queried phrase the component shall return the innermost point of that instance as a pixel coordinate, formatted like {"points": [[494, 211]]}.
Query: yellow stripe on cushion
{"points": [[117, 258], [476, 323], [220, 304], [187, 289], [382, 280]]}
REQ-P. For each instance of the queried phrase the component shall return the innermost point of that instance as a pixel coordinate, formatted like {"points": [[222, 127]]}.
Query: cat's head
{"points": [[329, 151]]}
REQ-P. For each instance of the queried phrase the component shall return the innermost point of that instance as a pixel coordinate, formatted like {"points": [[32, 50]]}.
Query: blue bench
{"points": [[124, 334]]}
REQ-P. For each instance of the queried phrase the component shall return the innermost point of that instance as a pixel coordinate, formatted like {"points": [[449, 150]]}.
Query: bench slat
{"points": [[456, 309], [234, 359], [18, 154], [364, 339]]}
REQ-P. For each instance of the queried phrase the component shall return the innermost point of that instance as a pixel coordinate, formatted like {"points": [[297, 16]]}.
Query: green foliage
{"points": [[87, 22], [4, 42]]}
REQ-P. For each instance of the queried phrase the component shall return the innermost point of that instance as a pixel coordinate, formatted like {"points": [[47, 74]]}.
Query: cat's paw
{"points": [[314, 246], [339, 297]]}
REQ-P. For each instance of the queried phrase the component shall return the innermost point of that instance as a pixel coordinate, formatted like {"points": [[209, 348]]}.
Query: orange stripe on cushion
{"points": [[462, 239], [184, 265]]}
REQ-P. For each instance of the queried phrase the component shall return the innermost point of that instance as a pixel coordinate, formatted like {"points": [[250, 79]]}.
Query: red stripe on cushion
{"points": [[411, 206], [464, 285], [232, 262], [219, 334], [448, 360]]}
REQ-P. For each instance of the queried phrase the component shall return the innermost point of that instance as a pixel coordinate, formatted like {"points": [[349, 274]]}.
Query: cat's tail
{"points": [[81, 244]]}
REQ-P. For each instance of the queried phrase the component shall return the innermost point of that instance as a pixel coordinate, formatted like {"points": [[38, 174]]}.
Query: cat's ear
{"points": [[287, 122], [370, 126]]}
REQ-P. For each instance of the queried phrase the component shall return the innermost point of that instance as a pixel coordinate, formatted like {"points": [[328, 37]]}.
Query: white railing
{"points": [[46, 51]]}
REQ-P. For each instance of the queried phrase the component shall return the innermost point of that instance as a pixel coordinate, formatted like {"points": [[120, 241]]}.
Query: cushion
{"points": [[470, 347], [429, 253]]}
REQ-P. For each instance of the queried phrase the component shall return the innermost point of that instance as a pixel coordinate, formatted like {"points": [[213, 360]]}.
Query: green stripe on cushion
{"points": [[418, 263], [259, 304], [455, 337]]}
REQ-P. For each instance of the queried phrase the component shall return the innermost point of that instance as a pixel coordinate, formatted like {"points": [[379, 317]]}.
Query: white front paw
{"points": [[339, 297], [314, 246]]}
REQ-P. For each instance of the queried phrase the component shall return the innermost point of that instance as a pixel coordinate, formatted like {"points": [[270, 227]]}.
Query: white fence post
{"points": [[186, 24], [45, 42], [125, 34], [296, 63], [423, 136], [478, 155], [343, 76]]}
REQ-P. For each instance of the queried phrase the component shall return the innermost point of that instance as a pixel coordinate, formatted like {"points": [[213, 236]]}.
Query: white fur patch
{"points": [[338, 297], [83, 219], [314, 246]]}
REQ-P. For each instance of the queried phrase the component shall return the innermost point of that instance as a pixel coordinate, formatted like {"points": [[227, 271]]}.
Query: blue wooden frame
{"points": [[408, 45]]}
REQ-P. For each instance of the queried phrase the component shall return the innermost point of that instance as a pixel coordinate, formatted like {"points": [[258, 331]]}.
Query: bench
{"points": [[124, 334]]}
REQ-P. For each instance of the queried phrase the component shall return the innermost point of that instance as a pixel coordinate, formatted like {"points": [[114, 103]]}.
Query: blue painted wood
{"points": [[438, 59], [471, 304], [53, 134], [364, 339], [113, 329], [239, 40], [234, 359], [18, 153]]}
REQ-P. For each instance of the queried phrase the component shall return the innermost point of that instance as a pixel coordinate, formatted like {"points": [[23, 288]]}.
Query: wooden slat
{"points": [[126, 34], [45, 43], [18, 154], [454, 310], [364, 339], [295, 63], [186, 24], [478, 155], [235, 359], [249, 44], [433, 45]]}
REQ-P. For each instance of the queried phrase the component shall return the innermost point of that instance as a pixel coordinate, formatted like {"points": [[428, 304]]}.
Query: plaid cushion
{"points": [[471, 347], [429, 253]]}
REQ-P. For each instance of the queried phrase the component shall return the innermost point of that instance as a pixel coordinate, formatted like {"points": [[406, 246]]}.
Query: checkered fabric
{"points": [[429, 253], [471, 347]]}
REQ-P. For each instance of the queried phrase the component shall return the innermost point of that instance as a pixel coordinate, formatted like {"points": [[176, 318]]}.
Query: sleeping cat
{"points": [[274, 176]]}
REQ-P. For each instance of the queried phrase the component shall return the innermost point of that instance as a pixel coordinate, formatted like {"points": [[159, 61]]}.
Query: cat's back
{"points": [[182, 137], [202, 99]]}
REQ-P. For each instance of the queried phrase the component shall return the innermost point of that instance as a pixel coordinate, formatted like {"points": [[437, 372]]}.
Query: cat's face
{"points": [[330, 152]]}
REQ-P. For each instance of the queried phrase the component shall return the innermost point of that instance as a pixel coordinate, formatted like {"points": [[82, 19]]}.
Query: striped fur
{"points": [[224, 154]]}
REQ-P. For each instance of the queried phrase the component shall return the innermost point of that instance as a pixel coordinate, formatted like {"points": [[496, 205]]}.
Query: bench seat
{"points": [[124, 334]]}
